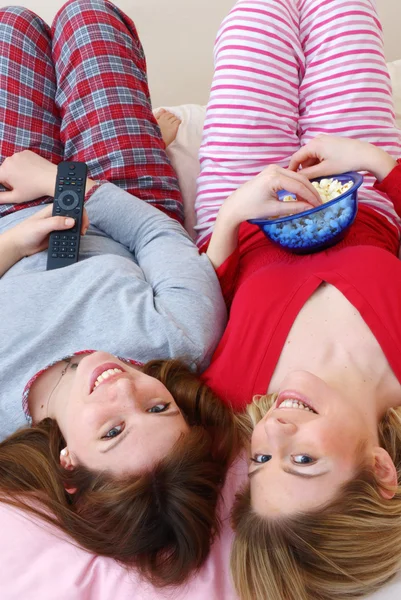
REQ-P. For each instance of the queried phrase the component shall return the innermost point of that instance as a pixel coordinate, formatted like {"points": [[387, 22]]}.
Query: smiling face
{"points": [[114, 417], [307, 445]]}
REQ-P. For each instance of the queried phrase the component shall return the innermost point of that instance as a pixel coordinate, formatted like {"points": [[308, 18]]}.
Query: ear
{"points": [[67, 463], [385, 471]]}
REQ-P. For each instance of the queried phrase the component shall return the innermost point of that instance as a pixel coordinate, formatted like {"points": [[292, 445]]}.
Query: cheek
{"points": [[338, 437], [258, 436]]}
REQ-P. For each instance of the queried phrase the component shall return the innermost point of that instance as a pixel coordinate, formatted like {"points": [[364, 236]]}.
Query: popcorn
{"points": [[329, 189]]}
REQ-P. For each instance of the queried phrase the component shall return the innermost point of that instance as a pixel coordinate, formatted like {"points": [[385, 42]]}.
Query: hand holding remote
{"points": [[32, 235], [68, 202]]}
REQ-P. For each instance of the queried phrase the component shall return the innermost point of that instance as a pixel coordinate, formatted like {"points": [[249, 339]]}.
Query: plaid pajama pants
{"points": [[78, 91]]}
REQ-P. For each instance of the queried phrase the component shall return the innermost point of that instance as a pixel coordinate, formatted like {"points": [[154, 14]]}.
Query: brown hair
{"points": [[347, 549], [162, 521]]}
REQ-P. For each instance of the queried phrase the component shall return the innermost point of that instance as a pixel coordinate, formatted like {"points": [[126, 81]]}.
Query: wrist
{"points": [[381, 164], [51, 177], [228, 218], [11, 247]]}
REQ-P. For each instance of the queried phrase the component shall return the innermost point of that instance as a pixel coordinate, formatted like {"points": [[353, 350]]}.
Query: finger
{"points": [[304, 154], [85, 223], [46, 226], [323, 169], [299, 185], [8, 197], [43, 214]]}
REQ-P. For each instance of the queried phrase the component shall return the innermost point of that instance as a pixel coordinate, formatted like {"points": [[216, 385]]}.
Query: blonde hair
{"points": [[344, 550]]}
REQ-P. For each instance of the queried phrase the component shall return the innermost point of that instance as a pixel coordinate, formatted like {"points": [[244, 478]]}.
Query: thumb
{"points": [[55, 224], [323, 169]]}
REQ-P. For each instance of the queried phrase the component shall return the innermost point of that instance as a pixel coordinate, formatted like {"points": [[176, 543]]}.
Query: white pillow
{"points": [[183, 153]]}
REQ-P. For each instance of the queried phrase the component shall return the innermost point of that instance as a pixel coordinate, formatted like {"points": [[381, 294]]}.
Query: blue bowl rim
{"points": [[356, 177]]}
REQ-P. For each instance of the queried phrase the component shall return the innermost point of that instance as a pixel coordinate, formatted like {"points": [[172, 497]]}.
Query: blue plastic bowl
{"points": [[317, 228]]}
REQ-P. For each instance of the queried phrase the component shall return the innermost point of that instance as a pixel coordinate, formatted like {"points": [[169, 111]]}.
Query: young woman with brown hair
{"points": [[126, 456]]}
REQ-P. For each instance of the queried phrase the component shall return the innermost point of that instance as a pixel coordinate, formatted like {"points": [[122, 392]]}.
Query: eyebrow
{"points": [[291, 472], [122, 437]]}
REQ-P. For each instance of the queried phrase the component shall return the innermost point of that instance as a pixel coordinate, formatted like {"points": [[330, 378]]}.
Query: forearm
{"points": [[9, 252], [224, 239]]}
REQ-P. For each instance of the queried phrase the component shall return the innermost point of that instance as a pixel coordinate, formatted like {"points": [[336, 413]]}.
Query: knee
{"points": [[20, 18], [81, 10]]}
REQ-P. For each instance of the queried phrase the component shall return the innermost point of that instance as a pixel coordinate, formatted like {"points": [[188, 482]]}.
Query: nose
{"points": [[121, 391], [279, 427]]}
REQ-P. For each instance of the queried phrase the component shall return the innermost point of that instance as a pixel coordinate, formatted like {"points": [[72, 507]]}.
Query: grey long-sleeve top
{"points": [[140, 290]]}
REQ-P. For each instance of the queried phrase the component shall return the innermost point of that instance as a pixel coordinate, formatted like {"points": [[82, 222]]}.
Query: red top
{"points": [[266, 287]]}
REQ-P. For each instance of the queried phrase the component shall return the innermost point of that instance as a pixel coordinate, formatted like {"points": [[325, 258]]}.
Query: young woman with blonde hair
{"points": [[321, 515]]}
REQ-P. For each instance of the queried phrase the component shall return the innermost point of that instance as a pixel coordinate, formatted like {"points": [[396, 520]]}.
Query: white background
{"points": [[178, 38]]}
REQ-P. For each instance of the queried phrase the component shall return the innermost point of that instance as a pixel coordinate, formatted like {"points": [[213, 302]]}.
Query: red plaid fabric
{"points": [[29, 118], [91, 71]]}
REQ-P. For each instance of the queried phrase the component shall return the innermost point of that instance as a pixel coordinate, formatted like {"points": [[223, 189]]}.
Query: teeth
{"points": [[291, 403], [105, 375]]}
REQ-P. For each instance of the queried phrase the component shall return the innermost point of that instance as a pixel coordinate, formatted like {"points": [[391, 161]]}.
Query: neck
{"points": [[369, 385], [41, 396]]}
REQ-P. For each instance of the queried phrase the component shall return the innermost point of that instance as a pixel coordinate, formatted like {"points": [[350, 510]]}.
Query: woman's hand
{"points": [[32, 235], [328, 155], [27, 176], [257, 199]]}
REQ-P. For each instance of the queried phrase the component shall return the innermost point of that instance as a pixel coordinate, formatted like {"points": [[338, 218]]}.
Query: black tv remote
{"points": [[68, 202]]}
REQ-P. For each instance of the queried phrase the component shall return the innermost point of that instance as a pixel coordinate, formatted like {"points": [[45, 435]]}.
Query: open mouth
{"points": [[290, 400], [103, 373]]}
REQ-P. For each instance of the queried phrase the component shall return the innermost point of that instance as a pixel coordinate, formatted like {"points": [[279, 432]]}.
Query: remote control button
{"points": [[64, 237], [56, 243], [77, 210], [80, 179], [68, 200], [58, 210], [64, 243], [60, 188], [72, 167], [73, 243], [73, 183], [73, 237], [54, 255], [56, 236], [71, 256], [63, 256], [79, 189]]}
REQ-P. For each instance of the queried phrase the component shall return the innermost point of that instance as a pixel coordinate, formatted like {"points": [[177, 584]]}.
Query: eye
{"points": [[260, 459], [113, 432], [159, 408], [303, 459]]}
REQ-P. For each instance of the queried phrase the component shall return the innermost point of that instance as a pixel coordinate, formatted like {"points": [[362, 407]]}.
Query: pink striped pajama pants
{"points": [[285, 72]]}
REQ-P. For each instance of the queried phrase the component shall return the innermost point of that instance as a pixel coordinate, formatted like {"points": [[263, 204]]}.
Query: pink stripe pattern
{"points": [[285, 72]]}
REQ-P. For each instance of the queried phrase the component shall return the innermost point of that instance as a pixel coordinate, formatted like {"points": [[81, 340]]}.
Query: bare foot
{"points": [[168, 124]]}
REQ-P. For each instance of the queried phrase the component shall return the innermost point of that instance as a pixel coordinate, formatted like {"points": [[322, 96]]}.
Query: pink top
{"points": [[37, 562]]}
